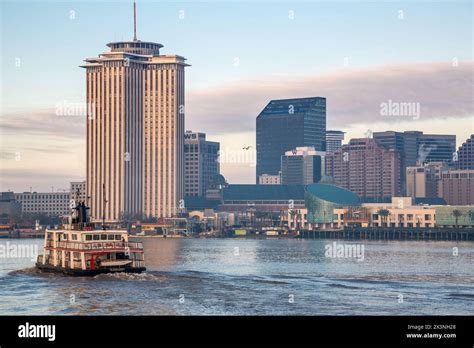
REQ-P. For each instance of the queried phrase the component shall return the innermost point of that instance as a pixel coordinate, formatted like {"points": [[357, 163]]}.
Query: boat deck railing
{"points": [[138, 263], [105, 245]]}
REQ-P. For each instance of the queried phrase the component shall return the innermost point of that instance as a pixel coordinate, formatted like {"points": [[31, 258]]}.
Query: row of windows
{"points": [[50, 205], [409, 217], [103, 237], [47, 211], [458, 175], [36, 197]]}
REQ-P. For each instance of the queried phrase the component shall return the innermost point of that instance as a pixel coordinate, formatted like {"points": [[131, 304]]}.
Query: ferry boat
{"points": [[81, 249]]}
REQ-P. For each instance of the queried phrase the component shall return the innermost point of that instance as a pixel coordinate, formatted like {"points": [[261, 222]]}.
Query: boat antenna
{"points": [[134, 20], [103, 206]]}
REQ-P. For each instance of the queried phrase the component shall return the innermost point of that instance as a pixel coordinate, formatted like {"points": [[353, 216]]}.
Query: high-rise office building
{"points": [[406, 144], [366, 168], [417, 148], [201, 163], [135, 131], [302, 166], [457, 187], [465, 154], [334, 139], [436, 148], [423, 180], [78, 191], [286, 124]]}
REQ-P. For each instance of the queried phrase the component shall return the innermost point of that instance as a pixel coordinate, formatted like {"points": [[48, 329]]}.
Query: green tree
{"points": [[293, 214], [457, 214], [384, 214], [281, 217], [471, 215]]}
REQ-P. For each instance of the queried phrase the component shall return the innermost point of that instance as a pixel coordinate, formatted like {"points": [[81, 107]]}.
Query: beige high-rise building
{"points": [[422, 180], [457, 186], [135, 131], [78, 191], [366, 168]]}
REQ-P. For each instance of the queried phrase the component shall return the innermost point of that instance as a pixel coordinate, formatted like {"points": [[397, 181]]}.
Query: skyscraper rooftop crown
{"points": [[136, 47], [288, 107]]}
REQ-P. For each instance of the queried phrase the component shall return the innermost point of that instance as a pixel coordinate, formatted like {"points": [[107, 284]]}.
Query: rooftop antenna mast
{"points": [[134, 20]]}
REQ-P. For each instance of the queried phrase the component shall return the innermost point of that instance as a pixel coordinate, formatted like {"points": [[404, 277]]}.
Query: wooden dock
{"points": [[22, 234], [387, 233]]}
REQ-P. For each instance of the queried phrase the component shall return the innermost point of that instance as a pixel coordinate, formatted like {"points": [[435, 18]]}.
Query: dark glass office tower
{"points": [[406, 144], [286, 124], [436, 148], [414, 146]]}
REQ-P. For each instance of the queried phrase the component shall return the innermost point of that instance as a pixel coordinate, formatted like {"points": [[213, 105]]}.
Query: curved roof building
{"points": [[322, 199]]}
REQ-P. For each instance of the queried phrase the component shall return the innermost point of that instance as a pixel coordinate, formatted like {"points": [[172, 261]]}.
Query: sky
{"points": [[357, 54]]}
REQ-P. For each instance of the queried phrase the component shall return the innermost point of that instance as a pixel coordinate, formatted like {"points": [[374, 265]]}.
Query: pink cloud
{"points": [[353, 95]]}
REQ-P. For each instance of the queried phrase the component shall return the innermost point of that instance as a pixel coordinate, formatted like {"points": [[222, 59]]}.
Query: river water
{"points": [[254, 277]]}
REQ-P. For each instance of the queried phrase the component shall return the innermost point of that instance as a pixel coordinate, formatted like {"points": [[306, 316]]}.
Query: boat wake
{"points": [[130, 276], [35, 272], [27, 271]]}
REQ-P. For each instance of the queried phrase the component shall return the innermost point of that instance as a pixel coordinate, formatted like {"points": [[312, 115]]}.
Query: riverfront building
{"points": [[135, 131], [286, 124], [320, 202], [201, 163], [400, 212], [50, 203], [455, 216], [366, 168], [263, 198]]}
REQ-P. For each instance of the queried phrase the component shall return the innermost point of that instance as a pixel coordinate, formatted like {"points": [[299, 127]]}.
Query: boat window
{"points": [[103, 237], [96, 237], [117, 237], [88, 236], [110, 237]]}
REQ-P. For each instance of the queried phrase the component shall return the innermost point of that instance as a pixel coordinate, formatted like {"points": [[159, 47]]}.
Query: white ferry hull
{"points": [[88, 272]]}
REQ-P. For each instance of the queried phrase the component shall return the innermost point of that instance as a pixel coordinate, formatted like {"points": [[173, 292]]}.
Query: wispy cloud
{"points": [[51, 148], [353, 95], [42, 122]]}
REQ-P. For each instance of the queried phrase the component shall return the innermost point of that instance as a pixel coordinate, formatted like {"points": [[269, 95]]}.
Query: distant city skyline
{"points": [[356, 55]]}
